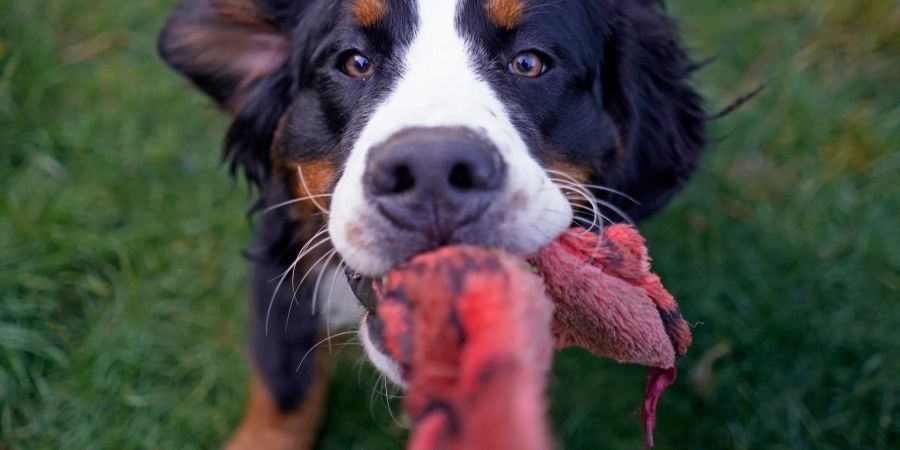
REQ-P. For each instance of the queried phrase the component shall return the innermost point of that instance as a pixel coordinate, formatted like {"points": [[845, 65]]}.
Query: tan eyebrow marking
{"points": [[368, 12], [505, 13]]}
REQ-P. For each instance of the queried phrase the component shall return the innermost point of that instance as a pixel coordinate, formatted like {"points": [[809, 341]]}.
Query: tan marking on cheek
{"points": [[572, 171], [314, 179], [368, 12], [506, 13], [573, 174], [310, 178]]}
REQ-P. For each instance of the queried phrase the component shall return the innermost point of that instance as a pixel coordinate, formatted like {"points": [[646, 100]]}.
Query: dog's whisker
{"points": [[306, 249], [566, 176], [612, 191], [312, 248], [582, 189], [585, 222], [341, 346], [374, 388], [591, 211], [594, 210], [327, 338], [308, 242], [573, 184], [597, 245], [322, 271], [575, 189], [294, 287], [572, 180], [300, 286], [590, 224], [334, 277], [311, 269], [314, 242], [358, 365], [283, 276], [387, 404], [589, 197], [274, 294], [292, 201], [306, 189], [617, 210]]}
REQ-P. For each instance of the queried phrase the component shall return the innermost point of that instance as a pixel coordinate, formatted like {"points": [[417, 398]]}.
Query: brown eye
{"points": [[358, 66], [528, 64]]}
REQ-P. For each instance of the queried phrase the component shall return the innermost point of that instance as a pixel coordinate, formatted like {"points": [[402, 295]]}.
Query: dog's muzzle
{"points": [[434, 181]]}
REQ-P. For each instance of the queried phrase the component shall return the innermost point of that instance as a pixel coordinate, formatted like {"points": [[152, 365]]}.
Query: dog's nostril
{"points": [[403, 180], [461, 177], [433, 180]]}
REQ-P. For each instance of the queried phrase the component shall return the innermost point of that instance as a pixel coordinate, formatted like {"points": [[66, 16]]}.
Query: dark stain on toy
{"points": [[671, 319]]}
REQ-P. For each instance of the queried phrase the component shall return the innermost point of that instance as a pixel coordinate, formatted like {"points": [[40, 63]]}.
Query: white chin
{"points": [[381, 361]]}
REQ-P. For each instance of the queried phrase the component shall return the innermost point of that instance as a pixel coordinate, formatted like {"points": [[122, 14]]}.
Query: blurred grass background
{"points": [[122, 289]]}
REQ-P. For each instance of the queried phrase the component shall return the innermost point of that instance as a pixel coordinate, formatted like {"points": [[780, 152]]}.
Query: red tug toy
{"points": [[473, 331]]}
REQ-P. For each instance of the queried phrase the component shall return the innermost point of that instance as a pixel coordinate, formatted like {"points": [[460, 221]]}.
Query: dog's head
{"points": [[417, 123]]}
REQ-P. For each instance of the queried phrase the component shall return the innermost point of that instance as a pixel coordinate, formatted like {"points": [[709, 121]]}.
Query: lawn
{"points": [[122, 286]]}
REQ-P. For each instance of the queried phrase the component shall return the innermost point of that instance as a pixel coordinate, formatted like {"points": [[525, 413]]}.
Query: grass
{"points": [[122, 289]]}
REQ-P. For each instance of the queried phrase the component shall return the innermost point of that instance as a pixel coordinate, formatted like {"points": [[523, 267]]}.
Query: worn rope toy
{"points": [[473, 332]]}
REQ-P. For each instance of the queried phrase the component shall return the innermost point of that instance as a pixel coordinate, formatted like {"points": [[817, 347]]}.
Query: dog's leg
{"points": [[287, 398], [267, 426]]}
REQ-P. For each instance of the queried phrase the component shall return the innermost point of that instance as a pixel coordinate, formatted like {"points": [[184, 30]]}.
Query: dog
{"points": [[379, 129]]}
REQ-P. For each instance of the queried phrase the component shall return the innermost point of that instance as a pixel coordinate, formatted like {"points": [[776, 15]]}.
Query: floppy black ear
{"points": [[659, 115], [224, 46]]}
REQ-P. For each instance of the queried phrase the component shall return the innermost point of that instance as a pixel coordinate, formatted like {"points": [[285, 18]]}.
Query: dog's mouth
{"points": [[371, 331], [364, 288]]}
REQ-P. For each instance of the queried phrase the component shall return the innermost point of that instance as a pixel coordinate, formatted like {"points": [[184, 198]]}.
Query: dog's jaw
{"points": [[377, 355]]}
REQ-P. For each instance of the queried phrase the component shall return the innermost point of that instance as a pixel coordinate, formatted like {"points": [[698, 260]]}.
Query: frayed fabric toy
{"points": [[473, 332], [609, 302]]}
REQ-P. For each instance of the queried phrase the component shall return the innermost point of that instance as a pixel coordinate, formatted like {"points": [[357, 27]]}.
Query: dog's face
{"points": [[452, 150], [405, 125]]}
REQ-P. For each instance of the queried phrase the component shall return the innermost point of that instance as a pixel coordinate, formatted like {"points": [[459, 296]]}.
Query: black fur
{"points": [[249, 139], [615, 100], [660, 114], [281, 335]]}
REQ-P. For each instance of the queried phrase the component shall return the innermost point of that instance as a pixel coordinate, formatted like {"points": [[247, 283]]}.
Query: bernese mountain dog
{"points": [[379, 129]]}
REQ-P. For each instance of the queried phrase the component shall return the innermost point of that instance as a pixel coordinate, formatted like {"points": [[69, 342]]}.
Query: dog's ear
{"points": [[224, 46], [658, 114]]}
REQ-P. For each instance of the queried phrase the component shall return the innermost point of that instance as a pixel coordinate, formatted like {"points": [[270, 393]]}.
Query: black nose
{"points": [[434, 180]]}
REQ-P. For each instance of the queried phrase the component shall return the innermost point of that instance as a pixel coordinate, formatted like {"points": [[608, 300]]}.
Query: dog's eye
{"points": [[528, 64], [357, 65]]}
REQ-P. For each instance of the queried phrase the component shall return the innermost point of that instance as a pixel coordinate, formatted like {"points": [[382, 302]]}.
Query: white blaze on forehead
{"points": [[441, 88]]}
